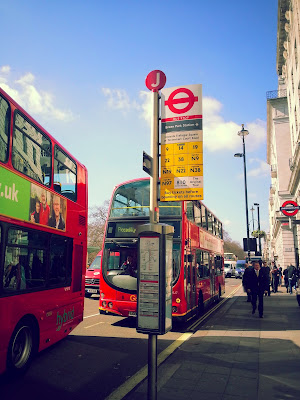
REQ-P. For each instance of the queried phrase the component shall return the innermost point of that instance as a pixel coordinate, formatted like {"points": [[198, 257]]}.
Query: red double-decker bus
{"points": [[198, 262], [43, 238]]}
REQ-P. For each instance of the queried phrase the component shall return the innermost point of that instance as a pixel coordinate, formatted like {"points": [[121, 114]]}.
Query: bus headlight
{"points": [[103, 303], [174, 309], [110, 304]]}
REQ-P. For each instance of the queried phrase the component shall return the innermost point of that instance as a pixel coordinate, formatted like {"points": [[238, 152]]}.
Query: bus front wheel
{"points": [[21, 348]]}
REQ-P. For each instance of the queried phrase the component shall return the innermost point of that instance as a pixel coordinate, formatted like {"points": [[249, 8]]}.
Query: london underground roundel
{"points": [[289, 208]]}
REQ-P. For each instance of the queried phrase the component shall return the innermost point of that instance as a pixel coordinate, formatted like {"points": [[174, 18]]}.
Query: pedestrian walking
{"points": [[280, 275], [286, 279], [275, 278], [291, 277], [244, 280], [257, 284], [267, 271]]}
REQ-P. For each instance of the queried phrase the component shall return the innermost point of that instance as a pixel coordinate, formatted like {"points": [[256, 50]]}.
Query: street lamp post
{"points": [[242, 134], [259, 238], [252, 209]]}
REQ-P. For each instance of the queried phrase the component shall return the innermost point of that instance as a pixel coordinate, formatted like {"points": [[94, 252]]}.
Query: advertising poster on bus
{"points": [[27, 201], [47, 208]]}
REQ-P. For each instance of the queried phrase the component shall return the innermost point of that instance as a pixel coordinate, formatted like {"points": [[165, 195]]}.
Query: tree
{"points": [[96, 226], [258, 234], [231, 246]]}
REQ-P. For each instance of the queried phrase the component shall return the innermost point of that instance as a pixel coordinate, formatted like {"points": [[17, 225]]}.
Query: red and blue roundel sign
{"points": [[289, 208]]}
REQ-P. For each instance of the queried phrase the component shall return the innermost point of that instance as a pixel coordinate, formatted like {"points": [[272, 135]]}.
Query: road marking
{"points": [[198, 322], [89, 316], [132, 382], [136, 379], [98, 323]]}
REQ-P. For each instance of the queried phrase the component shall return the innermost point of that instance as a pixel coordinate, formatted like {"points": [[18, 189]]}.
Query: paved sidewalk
{"points": [[236, 355]]}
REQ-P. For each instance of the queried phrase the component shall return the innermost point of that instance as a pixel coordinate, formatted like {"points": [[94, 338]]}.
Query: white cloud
{"points": [[219, 135], [263, 169], [35, 101], [222, 135], [5, 69], [146, 106], [118, 99]]}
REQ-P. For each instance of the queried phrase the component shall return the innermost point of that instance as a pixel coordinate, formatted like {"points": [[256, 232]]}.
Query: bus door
{"points": [[193, 279], [187, 274], [212, 274], [190, 265]]}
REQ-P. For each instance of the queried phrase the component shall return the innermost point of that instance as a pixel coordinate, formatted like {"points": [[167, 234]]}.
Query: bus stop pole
{"points": [[154, 219]]}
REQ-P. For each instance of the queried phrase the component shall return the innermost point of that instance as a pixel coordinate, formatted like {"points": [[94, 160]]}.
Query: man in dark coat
{"points": [[257, 284], [244, 281], [266, 269], [291, 277]]}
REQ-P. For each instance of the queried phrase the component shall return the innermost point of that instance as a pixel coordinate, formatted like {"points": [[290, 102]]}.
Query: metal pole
{"points": [[154, 218], [295, 238], [154, 153], [259, 238], [246, 199], [152, 367], [252, 209]]}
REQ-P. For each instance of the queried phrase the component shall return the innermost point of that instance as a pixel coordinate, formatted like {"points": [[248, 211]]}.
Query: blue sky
{"points": [[79, 68]]}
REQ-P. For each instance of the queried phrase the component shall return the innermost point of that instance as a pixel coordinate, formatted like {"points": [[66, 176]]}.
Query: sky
{"points": [[79, 68]]}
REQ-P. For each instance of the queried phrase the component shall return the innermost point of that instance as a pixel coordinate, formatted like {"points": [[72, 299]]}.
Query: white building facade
{"points": [[283, 138]]}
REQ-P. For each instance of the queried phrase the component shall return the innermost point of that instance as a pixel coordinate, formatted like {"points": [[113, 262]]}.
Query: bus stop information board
{"points": [[148, 306], [181, 144]]}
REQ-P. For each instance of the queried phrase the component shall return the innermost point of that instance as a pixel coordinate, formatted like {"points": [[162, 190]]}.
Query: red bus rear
{"points": [[198, 277], [43, 238]]}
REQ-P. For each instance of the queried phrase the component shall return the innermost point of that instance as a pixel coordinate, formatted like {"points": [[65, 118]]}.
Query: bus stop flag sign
{"points": [[181, 143]]}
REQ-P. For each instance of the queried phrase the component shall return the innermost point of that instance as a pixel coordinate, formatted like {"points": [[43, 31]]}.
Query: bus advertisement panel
{"points": [[43, 238], [197, 253]]}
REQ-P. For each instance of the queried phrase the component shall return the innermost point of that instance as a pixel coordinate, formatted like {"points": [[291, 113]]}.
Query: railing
{"points": [[272, 189], [276, 94], [291, 164], [274, 168]]}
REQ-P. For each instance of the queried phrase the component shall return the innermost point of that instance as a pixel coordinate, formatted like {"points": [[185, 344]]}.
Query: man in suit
{"points": [[244, 281], [257, 284]]}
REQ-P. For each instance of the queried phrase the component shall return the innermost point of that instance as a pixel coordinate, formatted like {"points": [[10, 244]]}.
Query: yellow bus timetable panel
{"points": [[180, 170], [167, 149], [195, 158], [166, 161], [166, 183], [195, 170], [181, 148], [195, 147], [181, 194], [167, 172], [180, 159]]}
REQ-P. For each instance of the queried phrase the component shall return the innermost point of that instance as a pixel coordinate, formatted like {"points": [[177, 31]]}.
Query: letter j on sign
{"points": [[155, 80]]}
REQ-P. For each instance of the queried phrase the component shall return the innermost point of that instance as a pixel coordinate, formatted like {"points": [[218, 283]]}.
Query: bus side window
{"points": [[65, 174], [31, 153], [4, 129]]}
